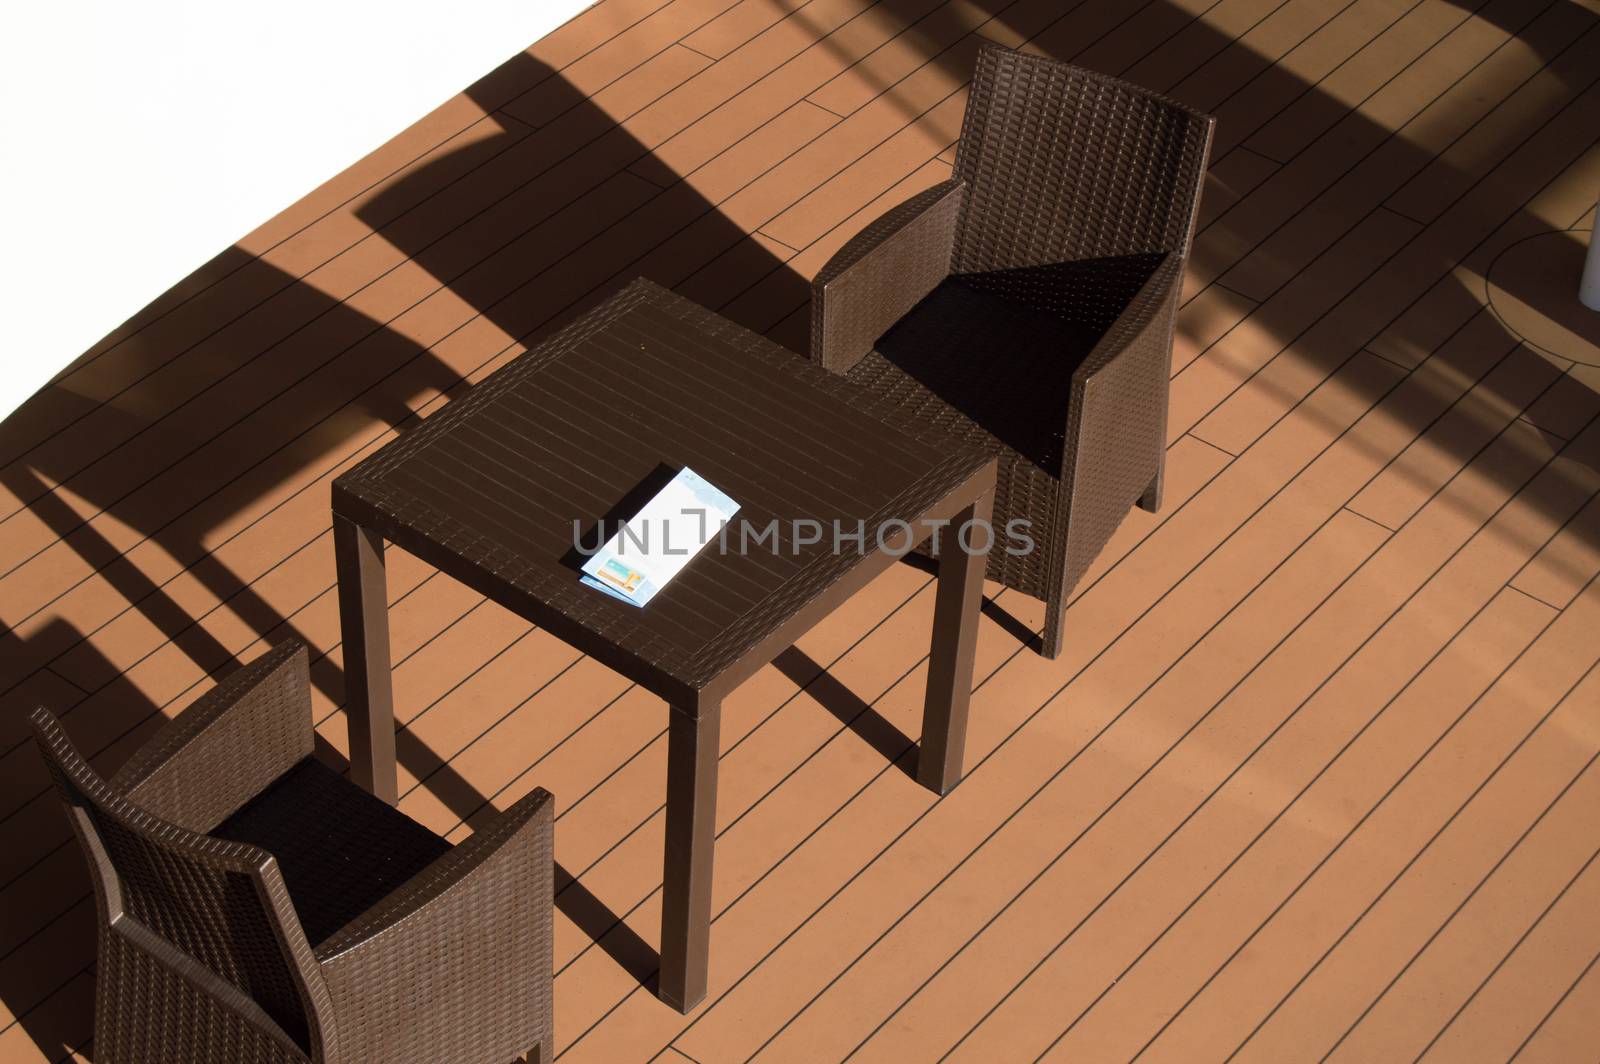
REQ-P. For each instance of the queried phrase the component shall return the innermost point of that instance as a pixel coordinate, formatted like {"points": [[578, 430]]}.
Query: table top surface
{"points": [[587, 424]]}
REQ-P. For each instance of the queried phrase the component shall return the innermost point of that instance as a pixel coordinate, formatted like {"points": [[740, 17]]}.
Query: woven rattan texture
{"points": [[1017, 399], [208, 898], [1090, 294], [911, 247], [703, 371], [339, 849], [202, 956], [145, 1011], [225, 747], [1077, 198], [1062, 163], [471, 938], [1117, 423]]}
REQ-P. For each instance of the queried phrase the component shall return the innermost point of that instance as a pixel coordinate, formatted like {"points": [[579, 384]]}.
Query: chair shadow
{"points": [[1007, 622], [609, 932], [41, 1004]]}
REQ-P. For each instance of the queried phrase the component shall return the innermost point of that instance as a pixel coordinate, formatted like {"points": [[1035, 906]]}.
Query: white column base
{"points": [[1589, 289]]}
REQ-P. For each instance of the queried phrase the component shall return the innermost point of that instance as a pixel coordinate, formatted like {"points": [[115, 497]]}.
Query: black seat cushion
{"points": [[340, 849], [1005, 366]]}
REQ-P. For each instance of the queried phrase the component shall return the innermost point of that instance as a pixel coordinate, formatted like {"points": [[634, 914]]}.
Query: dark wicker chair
{"points": [[255, 906], [1027, 305]]}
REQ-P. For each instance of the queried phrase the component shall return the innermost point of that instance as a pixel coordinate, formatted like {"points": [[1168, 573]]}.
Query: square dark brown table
{"points": [[488, 491]]}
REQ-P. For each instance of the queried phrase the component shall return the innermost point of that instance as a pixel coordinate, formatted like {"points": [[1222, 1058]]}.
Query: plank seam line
{"points": [[1562, 1000], [1369, 520], [1198, 427], [786, 246], [1307, 89], [1245, 148], [1402, 214], [63, 677], [1245, 761], [1464, 901], [1343, 749], [1523, 417], [823, 107], [629, 169], [1531, 595], [1257, 300], [1086, 829], [1401, 606], [1396, 361], [1529, 930], [1466, 17], [1379, 267], [1416, 857], [1360, 822], [1393, 134], [1569, 523], [1208, 444]]}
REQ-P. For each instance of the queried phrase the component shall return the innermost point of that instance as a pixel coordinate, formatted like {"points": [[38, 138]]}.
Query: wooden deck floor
{"points": [[1316, 774]]}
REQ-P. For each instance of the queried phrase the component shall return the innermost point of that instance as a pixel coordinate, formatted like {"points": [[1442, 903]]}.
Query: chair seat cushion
{"points": [[992, 370], [340, 849]]}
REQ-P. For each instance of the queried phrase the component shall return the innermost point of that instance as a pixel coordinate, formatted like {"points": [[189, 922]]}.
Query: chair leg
{"points": [[1151, 499], [1054, 637]]}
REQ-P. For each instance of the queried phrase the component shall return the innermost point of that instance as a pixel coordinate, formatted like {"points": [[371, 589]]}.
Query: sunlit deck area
{"points": [[1315, 776]]}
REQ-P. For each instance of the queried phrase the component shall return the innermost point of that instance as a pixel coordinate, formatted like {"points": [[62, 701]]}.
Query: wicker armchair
{"points": [[1027, 305], [255, 906]]}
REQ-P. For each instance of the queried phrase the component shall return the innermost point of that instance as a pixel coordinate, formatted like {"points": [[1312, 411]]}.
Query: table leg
{"points": [[691, 836], [955, 642], [364, 622]]}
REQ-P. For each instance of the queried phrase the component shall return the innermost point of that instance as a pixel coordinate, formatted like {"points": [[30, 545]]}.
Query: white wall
{"points": [[138, 138]]}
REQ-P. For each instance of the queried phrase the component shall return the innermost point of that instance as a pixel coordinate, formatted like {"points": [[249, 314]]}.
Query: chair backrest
{"points": [[220, 905], [1062, 163]]}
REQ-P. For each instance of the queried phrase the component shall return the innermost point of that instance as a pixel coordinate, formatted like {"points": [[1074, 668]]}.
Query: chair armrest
{"points": [[456, 963], [1117, 417], [1148, 318], [884, 271], [228, 746]]}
